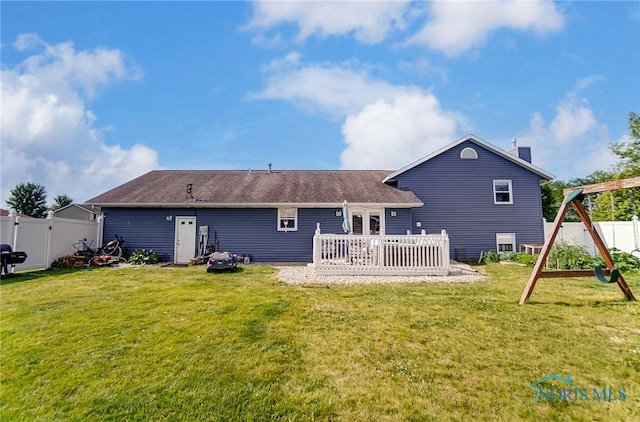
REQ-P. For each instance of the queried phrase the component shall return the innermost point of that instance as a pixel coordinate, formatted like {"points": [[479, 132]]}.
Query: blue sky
{"points": [[97, 93]]}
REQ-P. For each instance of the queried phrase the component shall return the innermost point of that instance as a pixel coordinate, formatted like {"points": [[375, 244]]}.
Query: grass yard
{"points": [[153, 343]]}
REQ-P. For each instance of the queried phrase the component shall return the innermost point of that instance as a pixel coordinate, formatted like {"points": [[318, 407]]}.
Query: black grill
{"points": [[8, 257]]}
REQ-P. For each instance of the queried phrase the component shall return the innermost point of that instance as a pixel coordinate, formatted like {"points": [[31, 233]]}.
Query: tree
{"points": [[29, 199], [629, 150], [552, 197], [61, 201]]}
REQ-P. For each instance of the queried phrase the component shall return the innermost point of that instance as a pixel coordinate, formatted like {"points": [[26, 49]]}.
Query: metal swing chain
{"points": [[613, 218], [634, 221]]}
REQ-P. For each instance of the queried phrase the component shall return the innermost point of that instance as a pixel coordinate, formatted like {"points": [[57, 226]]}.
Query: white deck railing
{"points": [[348, 254]]}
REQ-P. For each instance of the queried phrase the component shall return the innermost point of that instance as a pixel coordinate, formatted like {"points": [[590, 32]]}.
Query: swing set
{"points": [[574, 197]]}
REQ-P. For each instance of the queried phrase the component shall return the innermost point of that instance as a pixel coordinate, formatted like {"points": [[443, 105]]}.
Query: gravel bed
{"points": [[306, 275]]}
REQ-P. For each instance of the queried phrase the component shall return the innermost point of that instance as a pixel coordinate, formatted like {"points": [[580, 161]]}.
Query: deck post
{"points": [[316, 246]]}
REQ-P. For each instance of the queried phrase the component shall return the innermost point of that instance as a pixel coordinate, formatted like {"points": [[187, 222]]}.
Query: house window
{"points": [[502, 192], [505, 242], [468, 154], [287, 219]]}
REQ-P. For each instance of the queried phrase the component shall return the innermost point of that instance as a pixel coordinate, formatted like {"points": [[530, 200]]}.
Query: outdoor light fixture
{"points": [[169, 218], [393, 213], [338, 213]]}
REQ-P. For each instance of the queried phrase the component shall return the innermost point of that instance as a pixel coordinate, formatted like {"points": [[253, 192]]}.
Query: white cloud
{"points": [[385, 126], [27, 41], [586, 82], [573, 121], [49, 135], [369, 22], [337, 90], [455, 27], [126, 163], [61, 66], [452, 27], [573, 144], [392, 134]]}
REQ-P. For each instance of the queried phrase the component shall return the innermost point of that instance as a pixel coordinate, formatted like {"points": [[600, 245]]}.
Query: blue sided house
{"points": [[485, 198]]}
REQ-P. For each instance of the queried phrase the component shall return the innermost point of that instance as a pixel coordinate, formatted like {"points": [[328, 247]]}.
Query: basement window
{"points": [[287, 219], [505, 242]]}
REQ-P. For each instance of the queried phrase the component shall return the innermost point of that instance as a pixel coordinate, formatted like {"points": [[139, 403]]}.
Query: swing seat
{"points": [[615, 274]]}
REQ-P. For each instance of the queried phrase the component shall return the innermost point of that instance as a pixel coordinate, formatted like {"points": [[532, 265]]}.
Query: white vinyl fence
{"points": [[623, 235], [348, 254], [46, 239]]}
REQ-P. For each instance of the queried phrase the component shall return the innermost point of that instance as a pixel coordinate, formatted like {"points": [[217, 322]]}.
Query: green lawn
{"points": [[153, 343]]}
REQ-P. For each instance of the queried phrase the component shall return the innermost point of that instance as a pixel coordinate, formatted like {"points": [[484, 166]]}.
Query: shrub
{"points": [[624, 261], [569, 257], [519, 257], [143, 256], [509, 256], [526, 259], [491, 256]]}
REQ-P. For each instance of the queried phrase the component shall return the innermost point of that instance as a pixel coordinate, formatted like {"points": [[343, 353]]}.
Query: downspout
{"points": [[100, 230], [411, 221]]}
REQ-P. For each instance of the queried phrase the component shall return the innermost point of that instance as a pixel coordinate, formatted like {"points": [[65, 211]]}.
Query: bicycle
{"points": [[83, 248], [114, 247], [111, 253]]}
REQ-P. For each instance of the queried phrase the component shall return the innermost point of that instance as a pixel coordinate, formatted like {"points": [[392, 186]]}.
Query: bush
{"points": [[491, 256], [519, 257], [509, 256], [569, 257], [526, 259], [624, 261], [143, 257]]}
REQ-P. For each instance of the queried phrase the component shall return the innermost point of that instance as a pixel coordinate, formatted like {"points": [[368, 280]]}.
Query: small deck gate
{"points": [[348, 254]]}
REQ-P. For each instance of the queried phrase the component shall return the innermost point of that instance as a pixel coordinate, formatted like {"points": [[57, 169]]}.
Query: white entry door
{"points": [[185, 247]]}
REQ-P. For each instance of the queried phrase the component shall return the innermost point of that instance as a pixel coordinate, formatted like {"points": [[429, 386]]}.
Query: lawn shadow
{"points": [[598, 303], [236, 270], [34, 275], [171, 265]]}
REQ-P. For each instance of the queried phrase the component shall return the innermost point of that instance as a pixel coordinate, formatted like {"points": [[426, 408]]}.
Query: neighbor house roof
{"points": [[5, 213], [484, 144], [84, 207], [233, 188]]}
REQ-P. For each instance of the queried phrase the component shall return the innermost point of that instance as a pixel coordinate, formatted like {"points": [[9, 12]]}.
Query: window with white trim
{"points": [[502, 192], [505, 242], [468, 153], [287, 219]]}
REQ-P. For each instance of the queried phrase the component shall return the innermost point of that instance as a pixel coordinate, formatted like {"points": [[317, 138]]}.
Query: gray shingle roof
{"points": [[257, 188]]}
